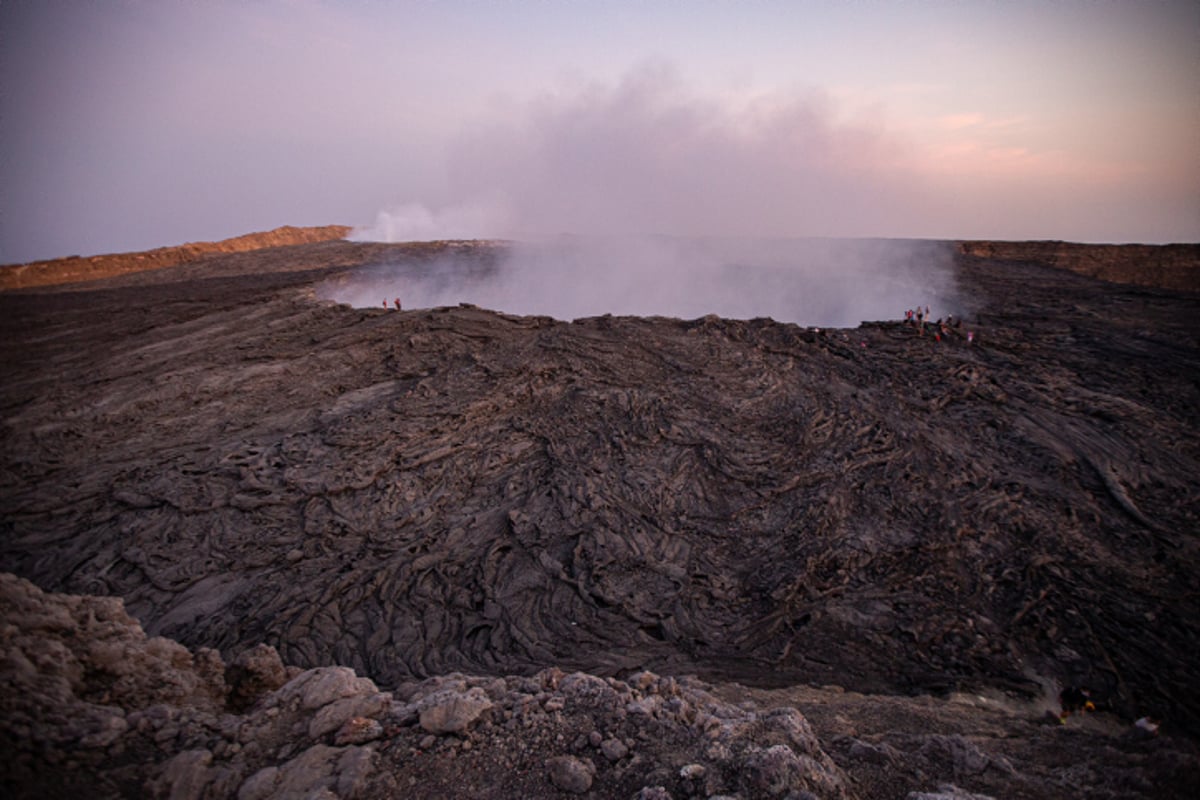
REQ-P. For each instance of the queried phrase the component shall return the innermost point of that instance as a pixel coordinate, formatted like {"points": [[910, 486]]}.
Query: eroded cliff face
{"points": [[419, 492]]}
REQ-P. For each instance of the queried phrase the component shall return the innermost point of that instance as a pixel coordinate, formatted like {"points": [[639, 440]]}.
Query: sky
{"points": [[131, 124]]}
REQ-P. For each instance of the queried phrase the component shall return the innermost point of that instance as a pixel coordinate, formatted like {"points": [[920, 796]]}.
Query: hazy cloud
{"points": [[822, 282], [649, 155], [417, 222], [135, 124], [676, 204]]}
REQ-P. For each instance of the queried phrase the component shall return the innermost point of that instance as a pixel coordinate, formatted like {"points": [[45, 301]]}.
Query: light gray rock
{"points": [[778, 770], [653, 793], [962, 756], [588, 691], [882, 753], [358, 730], [450, 711], [613, 749], [323, 685], [185, 776], [947, 791], [771, 771], [354, 768], [260, 785], [336, 714], [106, 727], [254, 673], [315, 768], [571, 774]]}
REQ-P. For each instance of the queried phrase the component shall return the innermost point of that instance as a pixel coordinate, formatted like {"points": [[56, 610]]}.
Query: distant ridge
{"points": [[1166, 266], [78, 268], [1169, 266]]}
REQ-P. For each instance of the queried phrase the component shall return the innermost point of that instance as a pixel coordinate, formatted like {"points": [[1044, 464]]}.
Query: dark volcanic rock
{"points": [[1173, 266], [413, 493], [67, 729], [75, 722], [254, 673]]}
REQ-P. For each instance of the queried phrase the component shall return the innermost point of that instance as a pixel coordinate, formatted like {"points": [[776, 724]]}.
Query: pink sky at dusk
{"points": [[132, 124]]}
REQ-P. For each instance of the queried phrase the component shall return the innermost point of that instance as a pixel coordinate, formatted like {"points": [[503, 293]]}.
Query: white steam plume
{"points": [[679, 205], [415, 222], [824, 282]]}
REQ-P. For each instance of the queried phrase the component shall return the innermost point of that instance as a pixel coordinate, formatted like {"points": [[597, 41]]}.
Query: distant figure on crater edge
{"points": [[397, 302], [1074, 698]]}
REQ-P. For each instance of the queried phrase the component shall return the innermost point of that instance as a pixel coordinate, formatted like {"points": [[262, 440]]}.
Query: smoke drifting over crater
{"points": [[649, 155], [823, 282], [647, 198]]}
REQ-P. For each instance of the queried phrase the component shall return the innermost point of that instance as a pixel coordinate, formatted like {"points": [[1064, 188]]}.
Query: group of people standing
{"points": [[920, 317]]}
